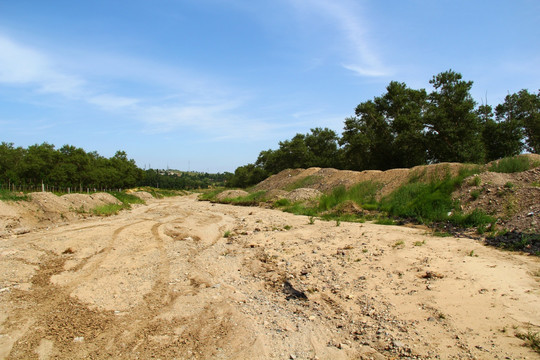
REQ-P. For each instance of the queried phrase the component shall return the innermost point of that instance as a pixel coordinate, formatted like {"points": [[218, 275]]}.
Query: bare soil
{"points": [[161, 281]]}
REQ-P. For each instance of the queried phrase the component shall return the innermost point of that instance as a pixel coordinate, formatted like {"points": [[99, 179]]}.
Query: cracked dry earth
{"points": [[161, 281]]}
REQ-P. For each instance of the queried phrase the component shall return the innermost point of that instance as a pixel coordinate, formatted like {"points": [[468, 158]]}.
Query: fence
{"points": [[26, 188]]}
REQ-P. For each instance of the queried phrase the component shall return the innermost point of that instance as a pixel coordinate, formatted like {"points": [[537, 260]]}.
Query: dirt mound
{"points": [[46, 209], [143, 195], [325, 180], [303, 194], [514, 199]]}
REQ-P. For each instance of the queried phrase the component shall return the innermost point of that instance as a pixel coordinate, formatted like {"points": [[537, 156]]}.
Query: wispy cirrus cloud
{"points": [[164, 99], [344, 16]]}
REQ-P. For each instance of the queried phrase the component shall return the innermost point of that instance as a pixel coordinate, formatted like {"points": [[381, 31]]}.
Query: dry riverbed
{"points": [[185, 279]]}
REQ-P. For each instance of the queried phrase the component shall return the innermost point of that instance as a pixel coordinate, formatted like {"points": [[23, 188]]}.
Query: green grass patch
{"points": [[248, 200], [513, 164], [303, 183], [476, 218], [108, 210], [211, 195], [6, 195], [363, 194], [112, 209], [127, 199], [385, 221]]}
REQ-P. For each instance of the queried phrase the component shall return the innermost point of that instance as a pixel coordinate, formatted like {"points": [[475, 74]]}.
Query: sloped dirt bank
{"points": [[45, 209], [162, 281]]}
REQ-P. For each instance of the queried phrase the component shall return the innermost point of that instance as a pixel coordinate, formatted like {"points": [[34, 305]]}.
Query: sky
{"points": [[206, 85]]}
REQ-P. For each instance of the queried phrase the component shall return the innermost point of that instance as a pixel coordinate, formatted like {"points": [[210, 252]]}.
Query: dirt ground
{"points": [[185, 279]]}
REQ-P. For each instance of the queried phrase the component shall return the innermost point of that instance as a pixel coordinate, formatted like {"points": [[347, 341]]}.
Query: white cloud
{"points": [[112, 102], [21, 65], [344, 16]]}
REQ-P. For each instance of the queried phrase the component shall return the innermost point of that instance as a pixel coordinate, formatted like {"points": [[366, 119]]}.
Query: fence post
{"points": [[42, 186]]}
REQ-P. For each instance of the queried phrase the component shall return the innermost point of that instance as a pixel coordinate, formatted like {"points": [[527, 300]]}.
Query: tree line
{"points": [[406, 127], [74, 168]]}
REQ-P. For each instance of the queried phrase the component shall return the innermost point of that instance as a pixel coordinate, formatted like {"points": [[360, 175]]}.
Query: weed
{"points": [[364, 250], [472, 254], [338, 222], [536, 183], [532, 339], [419, 243], [475, 194], [227, 234], [311, 220], [287, 227]]}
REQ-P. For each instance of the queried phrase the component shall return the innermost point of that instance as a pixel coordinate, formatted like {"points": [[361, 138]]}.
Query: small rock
{"points": [[78, 339]]}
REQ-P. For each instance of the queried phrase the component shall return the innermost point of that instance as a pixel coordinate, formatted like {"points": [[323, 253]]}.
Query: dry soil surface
{"points": [[162, 281]]}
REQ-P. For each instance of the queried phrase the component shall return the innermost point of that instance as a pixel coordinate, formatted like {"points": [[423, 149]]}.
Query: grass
{"points": [[161, 193], [532, 339], [211, 195], [398, 243], [6, 195], [513, 164], [112, 209], [363, 194], [385, 221], [227, 234], [432, 202], [108, 210], [304, 182]]}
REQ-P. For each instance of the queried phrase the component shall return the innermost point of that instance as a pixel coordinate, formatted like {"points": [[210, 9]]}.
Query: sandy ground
{"points": [[161, 281]]}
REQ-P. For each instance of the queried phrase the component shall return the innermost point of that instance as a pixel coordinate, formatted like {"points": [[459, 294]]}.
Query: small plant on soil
{"points": [[398, 243], [227, 234], [311, 220], [419, 243], [532, 339], [287, 227], [475, 194]]}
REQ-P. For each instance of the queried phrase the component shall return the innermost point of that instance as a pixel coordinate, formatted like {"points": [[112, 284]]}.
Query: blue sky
{"points": [[206, 85]]}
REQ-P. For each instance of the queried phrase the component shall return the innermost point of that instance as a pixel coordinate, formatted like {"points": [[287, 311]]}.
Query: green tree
{"points": [[522, 110], [322, 148], [502, 137], [453, 126], [388, 131]]}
